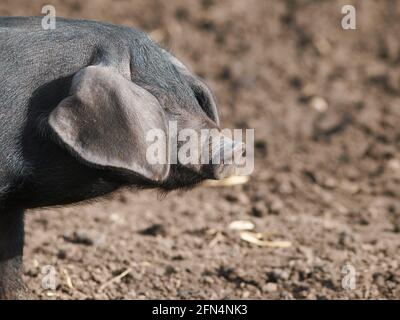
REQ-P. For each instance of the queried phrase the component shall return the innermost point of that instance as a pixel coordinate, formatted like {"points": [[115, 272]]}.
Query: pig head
{"points": [[79, 122], [76, 105]]}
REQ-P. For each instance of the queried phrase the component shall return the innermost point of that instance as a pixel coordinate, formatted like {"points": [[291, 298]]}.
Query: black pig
{"points": [[75, 105]]}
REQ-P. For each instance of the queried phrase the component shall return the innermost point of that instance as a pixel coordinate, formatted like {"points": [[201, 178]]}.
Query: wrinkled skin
{"points": [[41, 164]]}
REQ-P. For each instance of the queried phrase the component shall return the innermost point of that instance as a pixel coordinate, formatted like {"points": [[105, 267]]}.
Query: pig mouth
{"points": [[185, 177], [182, 178]]}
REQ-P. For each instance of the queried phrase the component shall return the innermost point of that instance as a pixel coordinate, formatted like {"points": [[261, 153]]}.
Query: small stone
{"points": [[277, 275], [379, 279], [270, 287], [394, 164], [331, 123], [276, 206], [259, 209], [231, 197], [319, 104], [154, 230], [61, 254], [209, 280], [80, 237], [170, 270], [261, 147], [345, 240], [350, 187], [330, 183], [376, 72], [286, 188]]}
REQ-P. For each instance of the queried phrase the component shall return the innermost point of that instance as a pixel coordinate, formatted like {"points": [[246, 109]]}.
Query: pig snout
{"points": [[227, 158]]}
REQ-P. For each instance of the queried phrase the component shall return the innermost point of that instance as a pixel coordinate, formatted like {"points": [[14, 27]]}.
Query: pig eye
{"points": [[202, 100], [206, 101]]}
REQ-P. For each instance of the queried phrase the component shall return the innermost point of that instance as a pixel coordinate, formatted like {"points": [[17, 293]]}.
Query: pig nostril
{"points": [[241, 151]]}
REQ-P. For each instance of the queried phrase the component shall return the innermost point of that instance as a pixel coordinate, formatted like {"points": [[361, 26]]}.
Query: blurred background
{"points": [[325, 106]]}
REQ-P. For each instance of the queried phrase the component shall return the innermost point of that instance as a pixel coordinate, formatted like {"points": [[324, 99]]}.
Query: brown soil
{"points": [[327, 181]]}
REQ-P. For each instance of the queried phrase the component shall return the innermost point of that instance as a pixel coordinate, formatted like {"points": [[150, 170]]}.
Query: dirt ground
{"points": [[325, 106]]}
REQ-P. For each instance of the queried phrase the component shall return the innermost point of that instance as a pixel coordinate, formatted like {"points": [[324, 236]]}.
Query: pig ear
{"points": [[105, 121], [201, 91]]}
